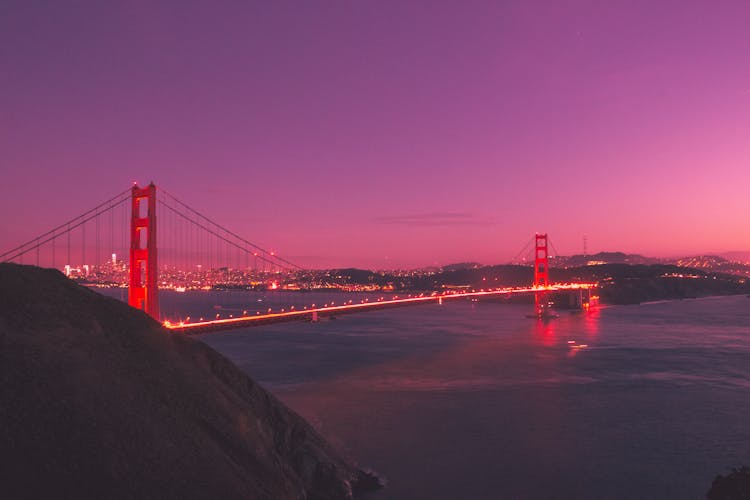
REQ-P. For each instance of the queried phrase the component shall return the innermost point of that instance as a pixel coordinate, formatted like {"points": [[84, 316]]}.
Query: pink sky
{"points": [[386, 134]]}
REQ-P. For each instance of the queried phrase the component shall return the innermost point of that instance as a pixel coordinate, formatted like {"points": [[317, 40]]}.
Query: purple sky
{"points": [[387, 133]]}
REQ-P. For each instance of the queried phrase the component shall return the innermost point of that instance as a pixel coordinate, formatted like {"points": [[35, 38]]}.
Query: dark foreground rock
{"points": [[97, 401], [733, 486]]}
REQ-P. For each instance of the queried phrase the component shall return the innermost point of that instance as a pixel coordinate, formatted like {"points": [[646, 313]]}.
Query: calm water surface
{"points": [[475, 401]]}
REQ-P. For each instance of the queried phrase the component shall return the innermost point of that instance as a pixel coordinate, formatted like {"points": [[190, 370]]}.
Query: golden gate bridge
{"points": [[200, 252]]}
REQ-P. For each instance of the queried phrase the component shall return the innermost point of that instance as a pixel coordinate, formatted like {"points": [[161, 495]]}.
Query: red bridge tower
{"points": [[143, 292], [541, 271]]}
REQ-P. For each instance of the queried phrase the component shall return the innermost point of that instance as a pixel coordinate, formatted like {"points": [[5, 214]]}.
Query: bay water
{"points": [[473, 400]]}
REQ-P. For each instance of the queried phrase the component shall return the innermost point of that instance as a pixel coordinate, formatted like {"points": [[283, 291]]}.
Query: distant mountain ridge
{"points": [[602, 258], [715, 263], [736, 256]]}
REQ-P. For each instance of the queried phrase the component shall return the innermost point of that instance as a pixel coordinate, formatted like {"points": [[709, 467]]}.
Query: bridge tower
{"points": [[143, 292], [541, 272]]}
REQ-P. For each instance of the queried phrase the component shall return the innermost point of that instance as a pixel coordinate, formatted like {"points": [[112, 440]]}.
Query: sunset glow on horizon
{"points": [[388, 134]]}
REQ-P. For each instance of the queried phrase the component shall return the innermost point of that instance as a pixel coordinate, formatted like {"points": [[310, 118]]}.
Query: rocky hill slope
{"points": [[97, 401]]}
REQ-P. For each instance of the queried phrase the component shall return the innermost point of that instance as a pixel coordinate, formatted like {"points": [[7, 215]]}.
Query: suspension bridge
{"points": [[115, 244]]}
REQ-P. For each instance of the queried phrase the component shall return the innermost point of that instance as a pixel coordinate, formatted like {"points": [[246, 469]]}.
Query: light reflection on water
{"points": [[478, 401]]}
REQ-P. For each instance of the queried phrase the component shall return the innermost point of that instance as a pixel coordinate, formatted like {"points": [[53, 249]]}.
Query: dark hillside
{"points": [[97, 401]]}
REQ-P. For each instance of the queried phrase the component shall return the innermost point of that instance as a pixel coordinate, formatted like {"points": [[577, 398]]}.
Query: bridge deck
{"points": [[308, 314]]}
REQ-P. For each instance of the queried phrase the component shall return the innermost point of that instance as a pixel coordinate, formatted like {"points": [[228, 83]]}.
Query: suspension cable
{"points": [[276, 257], [218, 236], [51, 235], [557, 254], [52, 231], [523, 251]]}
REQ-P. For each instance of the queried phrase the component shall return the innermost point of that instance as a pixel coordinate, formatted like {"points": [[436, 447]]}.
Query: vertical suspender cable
{"points": [[111, 231], [121, 220], [194, 243], [68, 233], [98, 253]]}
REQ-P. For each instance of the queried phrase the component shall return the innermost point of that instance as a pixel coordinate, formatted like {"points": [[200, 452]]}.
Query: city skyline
{"points": [[388, 135]]}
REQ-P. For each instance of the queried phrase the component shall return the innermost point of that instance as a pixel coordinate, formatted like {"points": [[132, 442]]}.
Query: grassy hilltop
{"points": [[98, 401]]}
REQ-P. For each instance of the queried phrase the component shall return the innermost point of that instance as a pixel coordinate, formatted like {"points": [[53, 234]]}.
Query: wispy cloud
{"points": [[435, 219]]}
